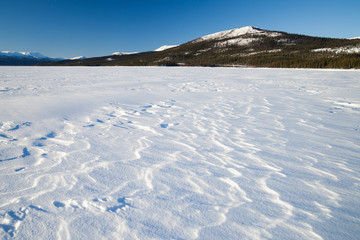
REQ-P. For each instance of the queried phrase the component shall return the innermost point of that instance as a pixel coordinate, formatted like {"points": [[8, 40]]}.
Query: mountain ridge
{"points": [[246, 46], [234, 33], [24, 58]]}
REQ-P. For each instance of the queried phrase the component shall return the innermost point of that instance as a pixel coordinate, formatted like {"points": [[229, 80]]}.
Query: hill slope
{"points": [[246, 46]]}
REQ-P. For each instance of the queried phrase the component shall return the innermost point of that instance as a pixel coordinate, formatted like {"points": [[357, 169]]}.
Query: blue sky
{"points": [[68, 28]]}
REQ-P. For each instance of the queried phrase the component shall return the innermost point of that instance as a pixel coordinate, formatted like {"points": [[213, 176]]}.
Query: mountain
{"points": [[246, 46], [23, 58], [240, 36], [23, 54]]}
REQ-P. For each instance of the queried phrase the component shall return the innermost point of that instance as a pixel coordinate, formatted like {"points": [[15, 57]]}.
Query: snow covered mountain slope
{"points": [[77, 58], [122, 53], [347, 49], [165, 47], [238, 33], [23, 58], [179, 153], [23, 54]]}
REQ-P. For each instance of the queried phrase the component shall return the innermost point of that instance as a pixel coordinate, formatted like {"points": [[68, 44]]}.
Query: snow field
{"points": [[179, 153]]}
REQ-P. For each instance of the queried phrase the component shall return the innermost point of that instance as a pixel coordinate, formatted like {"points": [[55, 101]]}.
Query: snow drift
{"points": [[179, 153]]}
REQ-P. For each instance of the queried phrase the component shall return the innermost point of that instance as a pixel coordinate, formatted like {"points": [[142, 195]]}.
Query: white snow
{"points": [[165, 47], [236, 41], [348, 49], [231, 33], [237, 33], [23, 54], [123, 53], [179, 153], [117, 53], [78, 58]]}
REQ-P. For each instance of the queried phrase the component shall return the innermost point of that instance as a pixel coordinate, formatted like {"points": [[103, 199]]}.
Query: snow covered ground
{"points": [[179, 153]]}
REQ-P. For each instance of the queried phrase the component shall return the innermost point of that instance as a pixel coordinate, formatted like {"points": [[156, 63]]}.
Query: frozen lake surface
{"points": [[179, 153]]}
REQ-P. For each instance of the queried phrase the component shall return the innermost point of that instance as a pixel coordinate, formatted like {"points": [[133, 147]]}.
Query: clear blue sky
{"points": [[68, 28]]}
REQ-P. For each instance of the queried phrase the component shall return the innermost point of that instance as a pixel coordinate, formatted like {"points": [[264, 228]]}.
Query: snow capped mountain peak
{"points": [[33, 54], [117, 53], [230, 33], [236, 33], [23, 54], [162, 48], [77, 58], [23, 58]]}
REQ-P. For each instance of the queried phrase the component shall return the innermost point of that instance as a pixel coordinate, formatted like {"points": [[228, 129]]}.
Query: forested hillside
{"points": [[245, 46]]}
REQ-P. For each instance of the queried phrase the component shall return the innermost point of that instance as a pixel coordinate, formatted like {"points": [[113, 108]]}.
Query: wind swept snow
{"points": [[179, 153]]}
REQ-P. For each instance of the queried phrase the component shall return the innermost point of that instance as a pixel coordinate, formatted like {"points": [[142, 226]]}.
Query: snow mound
{"points": [[179, 153]]}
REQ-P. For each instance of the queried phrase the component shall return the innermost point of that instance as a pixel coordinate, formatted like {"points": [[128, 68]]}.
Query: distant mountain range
{"points": [[246, 46], [24, 58]]}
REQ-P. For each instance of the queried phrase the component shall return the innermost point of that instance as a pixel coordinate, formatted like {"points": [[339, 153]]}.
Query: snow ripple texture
{"points": [[179, 153]]}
